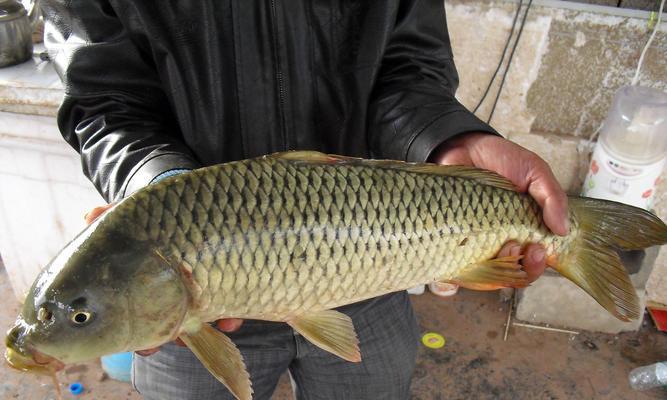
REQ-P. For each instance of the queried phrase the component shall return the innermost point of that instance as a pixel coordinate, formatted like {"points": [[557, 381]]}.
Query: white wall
{"points": [[43, 195]]}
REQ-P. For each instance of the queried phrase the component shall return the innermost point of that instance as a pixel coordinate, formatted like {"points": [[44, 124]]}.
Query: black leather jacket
{"points": [[154, 85]]}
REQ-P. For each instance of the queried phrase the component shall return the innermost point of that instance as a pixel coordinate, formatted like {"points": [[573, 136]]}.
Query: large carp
{"points": [[291, 236]]}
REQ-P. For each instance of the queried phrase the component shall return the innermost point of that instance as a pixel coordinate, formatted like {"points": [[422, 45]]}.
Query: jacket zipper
{"points": [[279, 74]]}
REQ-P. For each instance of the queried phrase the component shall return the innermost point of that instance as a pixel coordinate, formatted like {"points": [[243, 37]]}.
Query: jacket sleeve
{"points": [[115, 112], [413, 108]]}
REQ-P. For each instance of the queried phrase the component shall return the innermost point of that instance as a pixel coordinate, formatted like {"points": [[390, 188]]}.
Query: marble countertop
{"points": [[31, 88]]}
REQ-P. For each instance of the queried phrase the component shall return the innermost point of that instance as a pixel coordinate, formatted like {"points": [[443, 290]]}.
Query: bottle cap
{"points": [[76, 388]]}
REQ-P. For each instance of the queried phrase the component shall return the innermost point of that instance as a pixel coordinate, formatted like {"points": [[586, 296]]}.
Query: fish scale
{"points": [[288, 237], [267, 232]]}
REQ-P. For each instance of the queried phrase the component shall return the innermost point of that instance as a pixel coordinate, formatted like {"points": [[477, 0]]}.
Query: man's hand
{"points": [[527, 171], [225, 325]]}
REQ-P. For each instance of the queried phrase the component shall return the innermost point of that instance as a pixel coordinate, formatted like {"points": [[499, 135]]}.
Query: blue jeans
{"points": [[388, 335]]}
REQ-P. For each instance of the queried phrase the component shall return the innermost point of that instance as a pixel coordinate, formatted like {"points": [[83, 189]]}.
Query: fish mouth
{"points": [[20, 355], [34, 362]]}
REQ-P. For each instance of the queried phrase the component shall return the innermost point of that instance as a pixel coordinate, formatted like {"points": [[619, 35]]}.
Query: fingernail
{"points": [[538, 255], [515, 250], [567, 225]]}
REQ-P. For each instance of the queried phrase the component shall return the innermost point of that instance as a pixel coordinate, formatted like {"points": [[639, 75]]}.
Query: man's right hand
{"points": [[225, 325]]}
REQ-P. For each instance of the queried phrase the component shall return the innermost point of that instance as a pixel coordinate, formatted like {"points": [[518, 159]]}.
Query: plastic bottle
{"points": [[649, 376], [631, 152]]}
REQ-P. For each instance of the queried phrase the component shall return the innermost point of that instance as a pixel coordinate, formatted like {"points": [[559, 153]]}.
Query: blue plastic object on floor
{"points": [[76, 388], [118, 366]]}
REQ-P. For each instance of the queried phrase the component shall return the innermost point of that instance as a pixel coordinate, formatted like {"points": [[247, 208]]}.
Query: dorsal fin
{"points": [[309, 156], [482, 176]]}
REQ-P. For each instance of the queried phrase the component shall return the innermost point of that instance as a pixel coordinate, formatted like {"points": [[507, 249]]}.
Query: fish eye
{"points": [[44, 315], [81, 317]]}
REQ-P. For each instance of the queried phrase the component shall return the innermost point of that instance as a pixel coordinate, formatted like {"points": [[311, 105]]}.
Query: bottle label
{"points": [[612, 179]]}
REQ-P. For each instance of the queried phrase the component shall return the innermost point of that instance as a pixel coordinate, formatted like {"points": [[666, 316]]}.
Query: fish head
{"points": [[102, 295]]}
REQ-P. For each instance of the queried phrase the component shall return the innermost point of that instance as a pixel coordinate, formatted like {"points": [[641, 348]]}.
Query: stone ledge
{"points": [[556, 301], [31, 88]]}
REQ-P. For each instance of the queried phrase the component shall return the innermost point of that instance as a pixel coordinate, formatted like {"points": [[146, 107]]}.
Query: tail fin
{"points": [[592, 262]]}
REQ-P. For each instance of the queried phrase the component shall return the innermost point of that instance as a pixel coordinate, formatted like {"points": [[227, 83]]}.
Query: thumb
{"points": [[229, 324], [544, 188]]}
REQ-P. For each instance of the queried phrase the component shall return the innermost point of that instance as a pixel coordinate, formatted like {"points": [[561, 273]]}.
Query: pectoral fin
{"points": [[492, 274], [329, 330], [222, 358]]}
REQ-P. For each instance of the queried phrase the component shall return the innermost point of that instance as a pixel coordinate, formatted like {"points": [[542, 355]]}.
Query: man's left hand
{"points": [[527, 171]]}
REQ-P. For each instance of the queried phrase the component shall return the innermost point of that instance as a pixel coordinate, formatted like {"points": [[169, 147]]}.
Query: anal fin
{"points": [[222, 358], [492, 274], [329, 330]]}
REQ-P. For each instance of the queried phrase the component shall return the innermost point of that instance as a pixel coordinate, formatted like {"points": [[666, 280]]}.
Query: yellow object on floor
{"points": [[433, 340]]}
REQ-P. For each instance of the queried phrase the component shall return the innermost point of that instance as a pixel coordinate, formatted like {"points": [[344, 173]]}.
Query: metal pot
{"points": [[33, 7], [15, 33]]}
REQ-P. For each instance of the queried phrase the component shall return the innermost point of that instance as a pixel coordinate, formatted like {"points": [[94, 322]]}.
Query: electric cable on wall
{"points": [[509, 61], [502, 58], [635, 80]]}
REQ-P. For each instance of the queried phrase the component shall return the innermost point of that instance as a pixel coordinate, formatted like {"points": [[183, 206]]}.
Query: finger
{"points": [[93, 214], [229, 324], [555, 215], [534, 261], [510, 248], [148, 352], [545, 189]]}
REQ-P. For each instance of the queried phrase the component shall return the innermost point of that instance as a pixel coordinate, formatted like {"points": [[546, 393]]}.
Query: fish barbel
{"points": [[291, 236]]}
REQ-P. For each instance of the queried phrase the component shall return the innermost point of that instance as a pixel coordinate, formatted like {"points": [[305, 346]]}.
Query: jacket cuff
{"points": [[442, 129], [167, 174], [146, 172]]}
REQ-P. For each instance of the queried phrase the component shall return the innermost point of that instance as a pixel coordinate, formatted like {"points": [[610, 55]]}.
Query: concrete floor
{"points": [[475, 363]]}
